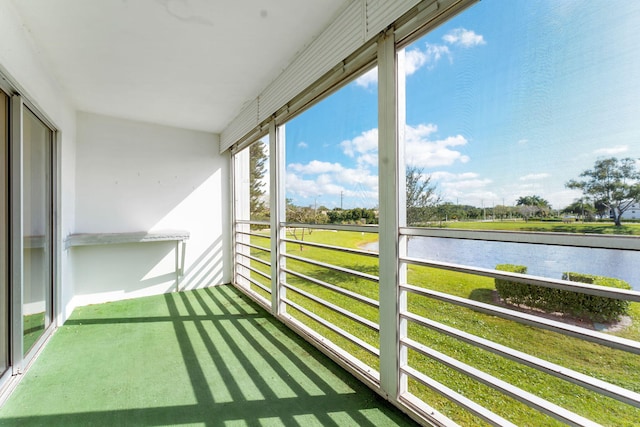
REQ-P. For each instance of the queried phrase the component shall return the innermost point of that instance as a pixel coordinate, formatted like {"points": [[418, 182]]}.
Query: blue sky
{"points": [[508, 99]]}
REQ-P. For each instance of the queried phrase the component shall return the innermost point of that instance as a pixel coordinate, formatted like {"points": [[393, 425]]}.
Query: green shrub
{"points": [[596, 308], [514, 292]]}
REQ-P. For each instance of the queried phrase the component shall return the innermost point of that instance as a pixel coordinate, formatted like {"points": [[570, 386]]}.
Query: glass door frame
{"points": [[5, 293], [18, 362]]}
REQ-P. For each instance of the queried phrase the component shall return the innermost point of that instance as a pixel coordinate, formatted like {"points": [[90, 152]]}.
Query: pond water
{"points": [[541, 260]]}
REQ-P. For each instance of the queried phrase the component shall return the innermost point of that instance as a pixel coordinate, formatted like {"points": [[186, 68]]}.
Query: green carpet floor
{"points": [[204, 358]]}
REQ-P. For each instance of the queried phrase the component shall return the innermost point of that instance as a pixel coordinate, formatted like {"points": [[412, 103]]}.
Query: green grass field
{"points": [[628, 229], [614, 366]]}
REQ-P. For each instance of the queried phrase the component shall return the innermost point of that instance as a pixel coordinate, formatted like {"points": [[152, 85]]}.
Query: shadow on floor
{"points": [[208, 357]]}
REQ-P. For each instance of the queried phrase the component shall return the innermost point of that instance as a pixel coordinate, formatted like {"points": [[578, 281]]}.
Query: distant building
{"points": [[632, 213]]}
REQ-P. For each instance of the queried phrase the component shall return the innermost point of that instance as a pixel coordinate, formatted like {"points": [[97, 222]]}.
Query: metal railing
{"points": [[326, 302], [329, 304], [252, 273], [509, 315]]}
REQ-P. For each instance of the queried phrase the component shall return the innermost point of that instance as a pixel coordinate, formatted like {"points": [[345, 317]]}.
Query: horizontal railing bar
{"points": [[251, 245], [256, 259], [611, 341], [419, 406], [339, 355], [250, 233], [468, 404], [255, 270], [256, 297], [584, 288], [334, 248], [517, 393], [595, 241], [255, 282], [360, 343], [260, 236], [335, 288], [333, 227], [333, 267], [368, 323], [627, 396], [252, 222]]}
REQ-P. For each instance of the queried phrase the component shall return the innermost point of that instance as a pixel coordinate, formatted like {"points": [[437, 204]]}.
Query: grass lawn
{"points": [[546, 226], [614, 366]]}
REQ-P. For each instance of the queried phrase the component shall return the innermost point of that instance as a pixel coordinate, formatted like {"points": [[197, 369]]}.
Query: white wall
{"points": [[134, 177], [29, 72], [125, 176]]}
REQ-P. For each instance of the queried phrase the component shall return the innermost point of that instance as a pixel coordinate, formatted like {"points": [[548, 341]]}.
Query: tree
{"points": [[257, 168], [529, 206], [422, 196], [581, 208], [299, 215], [501, 211], [611, 182]]}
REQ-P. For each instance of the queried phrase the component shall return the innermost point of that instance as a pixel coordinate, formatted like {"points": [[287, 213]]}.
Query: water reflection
{"points": [[541, 260]]}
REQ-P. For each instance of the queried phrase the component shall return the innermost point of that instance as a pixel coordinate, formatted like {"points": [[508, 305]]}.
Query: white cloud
{"points": [[430, 56], [419, 132], [302, 144], [320, 178], [365, 143], [466, 184], [534, 176], [358, 176], [301, 187], [463, 37], [435, 52], [421, 151], [414, 59], [358, 184], [523, 142], [323, 185], [462, 184], [609, 151], [448, 176], [370, 78], [315, 167]]}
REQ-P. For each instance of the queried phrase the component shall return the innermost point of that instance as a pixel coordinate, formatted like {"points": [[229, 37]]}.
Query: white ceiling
{"points": [[184, 63]]}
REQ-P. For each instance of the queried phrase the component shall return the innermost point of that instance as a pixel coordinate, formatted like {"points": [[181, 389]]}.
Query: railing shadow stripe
{"points": [[229, 293], [303, 367], [247, 365], [226, 375], [196, 373]]}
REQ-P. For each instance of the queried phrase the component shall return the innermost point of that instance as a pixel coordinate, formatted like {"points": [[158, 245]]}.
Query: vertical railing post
{"points": [[277, 213], [388, 161], [403, 242], [16, 280], [240, 163]]}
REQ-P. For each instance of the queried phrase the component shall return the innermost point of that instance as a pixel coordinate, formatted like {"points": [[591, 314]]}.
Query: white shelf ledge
{"points": [[93, 239]]}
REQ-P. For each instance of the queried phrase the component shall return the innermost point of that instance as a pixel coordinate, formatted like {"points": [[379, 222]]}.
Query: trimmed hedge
{"points": [[595, 308], [513, 292]]}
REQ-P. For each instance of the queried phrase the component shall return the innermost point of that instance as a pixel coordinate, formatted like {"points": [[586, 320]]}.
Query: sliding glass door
{"points": [[27, 232], [4, 235], [37, 308]]}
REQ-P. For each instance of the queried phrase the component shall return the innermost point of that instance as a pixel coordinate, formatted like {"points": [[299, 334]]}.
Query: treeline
{"points": [[352, 216], [323, 215]]}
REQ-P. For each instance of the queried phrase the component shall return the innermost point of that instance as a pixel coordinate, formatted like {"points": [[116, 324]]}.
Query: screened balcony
{"points": [[425, 204]]}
